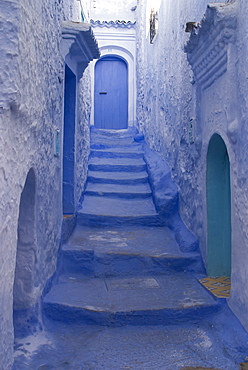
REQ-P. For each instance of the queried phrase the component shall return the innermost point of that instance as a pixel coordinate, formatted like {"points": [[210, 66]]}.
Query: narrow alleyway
{"points": [[127, 295]]}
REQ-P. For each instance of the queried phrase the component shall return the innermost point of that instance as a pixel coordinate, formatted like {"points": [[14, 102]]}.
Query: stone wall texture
{"points": [[31, 107], [169, 96], [165, 99]]}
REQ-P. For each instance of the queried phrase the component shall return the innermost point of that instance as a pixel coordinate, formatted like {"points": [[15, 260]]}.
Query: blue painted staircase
{"points": [[127, 261]]}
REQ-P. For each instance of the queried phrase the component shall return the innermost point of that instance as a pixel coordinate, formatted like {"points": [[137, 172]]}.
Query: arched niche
{"points": [[26, 246], [218, 209]]}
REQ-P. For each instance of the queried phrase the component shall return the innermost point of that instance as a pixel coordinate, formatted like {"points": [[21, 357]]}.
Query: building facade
{"points": [[192, 108], [39, 43]]}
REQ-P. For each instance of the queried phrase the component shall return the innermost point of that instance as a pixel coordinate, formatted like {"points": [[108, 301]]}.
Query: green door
{"points": [[218, 209]]}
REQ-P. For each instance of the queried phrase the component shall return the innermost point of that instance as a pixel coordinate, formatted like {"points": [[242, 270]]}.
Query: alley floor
{"points": [[127, 292], [217, 342]]}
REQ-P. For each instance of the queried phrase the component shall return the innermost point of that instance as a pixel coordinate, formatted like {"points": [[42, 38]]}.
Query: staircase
{"points": [[117, 189], [122, 265]]}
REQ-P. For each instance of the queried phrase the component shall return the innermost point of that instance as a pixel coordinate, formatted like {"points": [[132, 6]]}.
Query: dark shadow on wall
{"points": [[69, 142], [25, 314]]}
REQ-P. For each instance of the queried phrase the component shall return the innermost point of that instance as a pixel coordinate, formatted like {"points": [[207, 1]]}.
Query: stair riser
{"points": [[110, 145], [117, 265], [119, 168], [103, 154], [97, 220], [98, 180], [119, 195], [68, 314]]}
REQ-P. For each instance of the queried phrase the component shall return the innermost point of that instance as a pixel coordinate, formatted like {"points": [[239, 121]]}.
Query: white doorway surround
{"points": [[117, 39]]}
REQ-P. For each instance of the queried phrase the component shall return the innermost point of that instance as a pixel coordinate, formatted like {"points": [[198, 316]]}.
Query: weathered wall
{"points": [[112, 10], [83, 132], [165, 98], [31, 107], [169, 95], [239, 296]]}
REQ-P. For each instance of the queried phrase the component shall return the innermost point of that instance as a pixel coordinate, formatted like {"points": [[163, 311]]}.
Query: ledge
{"points": [[79, 42], [115, 24], [207, 46]]}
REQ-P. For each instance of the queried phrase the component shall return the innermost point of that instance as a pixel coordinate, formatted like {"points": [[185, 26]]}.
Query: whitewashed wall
{"points": [[165, 98], [112, 10], [168, 97], [239, 296], [31, 107]]}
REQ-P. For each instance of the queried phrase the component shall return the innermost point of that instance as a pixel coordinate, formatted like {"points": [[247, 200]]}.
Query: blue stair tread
{"points": [[106, 206], [123, 150], [128, 132], [130, 294], [117, 161], [119, 175], [127, 250], [143, 240], [116, 153], [101, 189], [98, 141]]}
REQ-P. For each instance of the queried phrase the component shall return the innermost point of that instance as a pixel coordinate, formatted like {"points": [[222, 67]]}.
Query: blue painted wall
{"points": [[69, 141], [111, 93], [219, 209]]}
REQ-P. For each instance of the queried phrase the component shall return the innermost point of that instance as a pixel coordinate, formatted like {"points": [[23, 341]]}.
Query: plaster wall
{"points": [[111, 10], [169, 96], [165, 102], [120, 40], [239, 296], [31, 108]]}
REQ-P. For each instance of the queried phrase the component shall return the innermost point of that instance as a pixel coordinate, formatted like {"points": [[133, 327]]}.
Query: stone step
{"points": [[116, 190], [142, 300], [116, 153], [127, 178], [117, 164], [106, 210], [123, 133], [100, 251]]}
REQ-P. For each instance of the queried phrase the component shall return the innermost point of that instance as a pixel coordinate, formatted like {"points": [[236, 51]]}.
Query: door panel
{"points": [[111, 94], [219, 209]]}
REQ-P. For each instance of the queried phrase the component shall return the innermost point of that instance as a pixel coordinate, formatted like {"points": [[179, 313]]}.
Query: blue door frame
{"points": [[218, 209], [69, 141], [111, 93]]}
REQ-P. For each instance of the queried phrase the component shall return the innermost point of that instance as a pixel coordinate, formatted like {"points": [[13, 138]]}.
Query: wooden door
{"points": [[111, 94]]}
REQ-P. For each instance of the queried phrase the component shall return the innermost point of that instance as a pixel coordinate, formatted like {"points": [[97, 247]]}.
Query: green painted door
{"points": [[218, 209]]}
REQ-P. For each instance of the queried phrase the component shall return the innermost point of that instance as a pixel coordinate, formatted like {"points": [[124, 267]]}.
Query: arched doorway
{"points": [[24, 294], [111, 93], [218, 209]]}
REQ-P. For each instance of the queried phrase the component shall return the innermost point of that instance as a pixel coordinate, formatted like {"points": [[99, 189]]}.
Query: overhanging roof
{"points": [[79, 42]]}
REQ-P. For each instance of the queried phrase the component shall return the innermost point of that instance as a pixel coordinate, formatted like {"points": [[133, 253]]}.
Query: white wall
{"points": [[31, 108], [112, 10], [169, 95], [239, 296]]}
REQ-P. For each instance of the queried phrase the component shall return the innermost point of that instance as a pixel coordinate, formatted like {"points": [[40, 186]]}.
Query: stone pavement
{"points": [[126, 294]]}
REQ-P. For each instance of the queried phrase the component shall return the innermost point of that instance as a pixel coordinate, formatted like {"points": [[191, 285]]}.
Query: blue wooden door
{"points": [[111, 94]]}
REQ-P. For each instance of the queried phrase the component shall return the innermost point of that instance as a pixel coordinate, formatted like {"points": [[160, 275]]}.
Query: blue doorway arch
{"points": [[111, 93], [218, 209]]}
